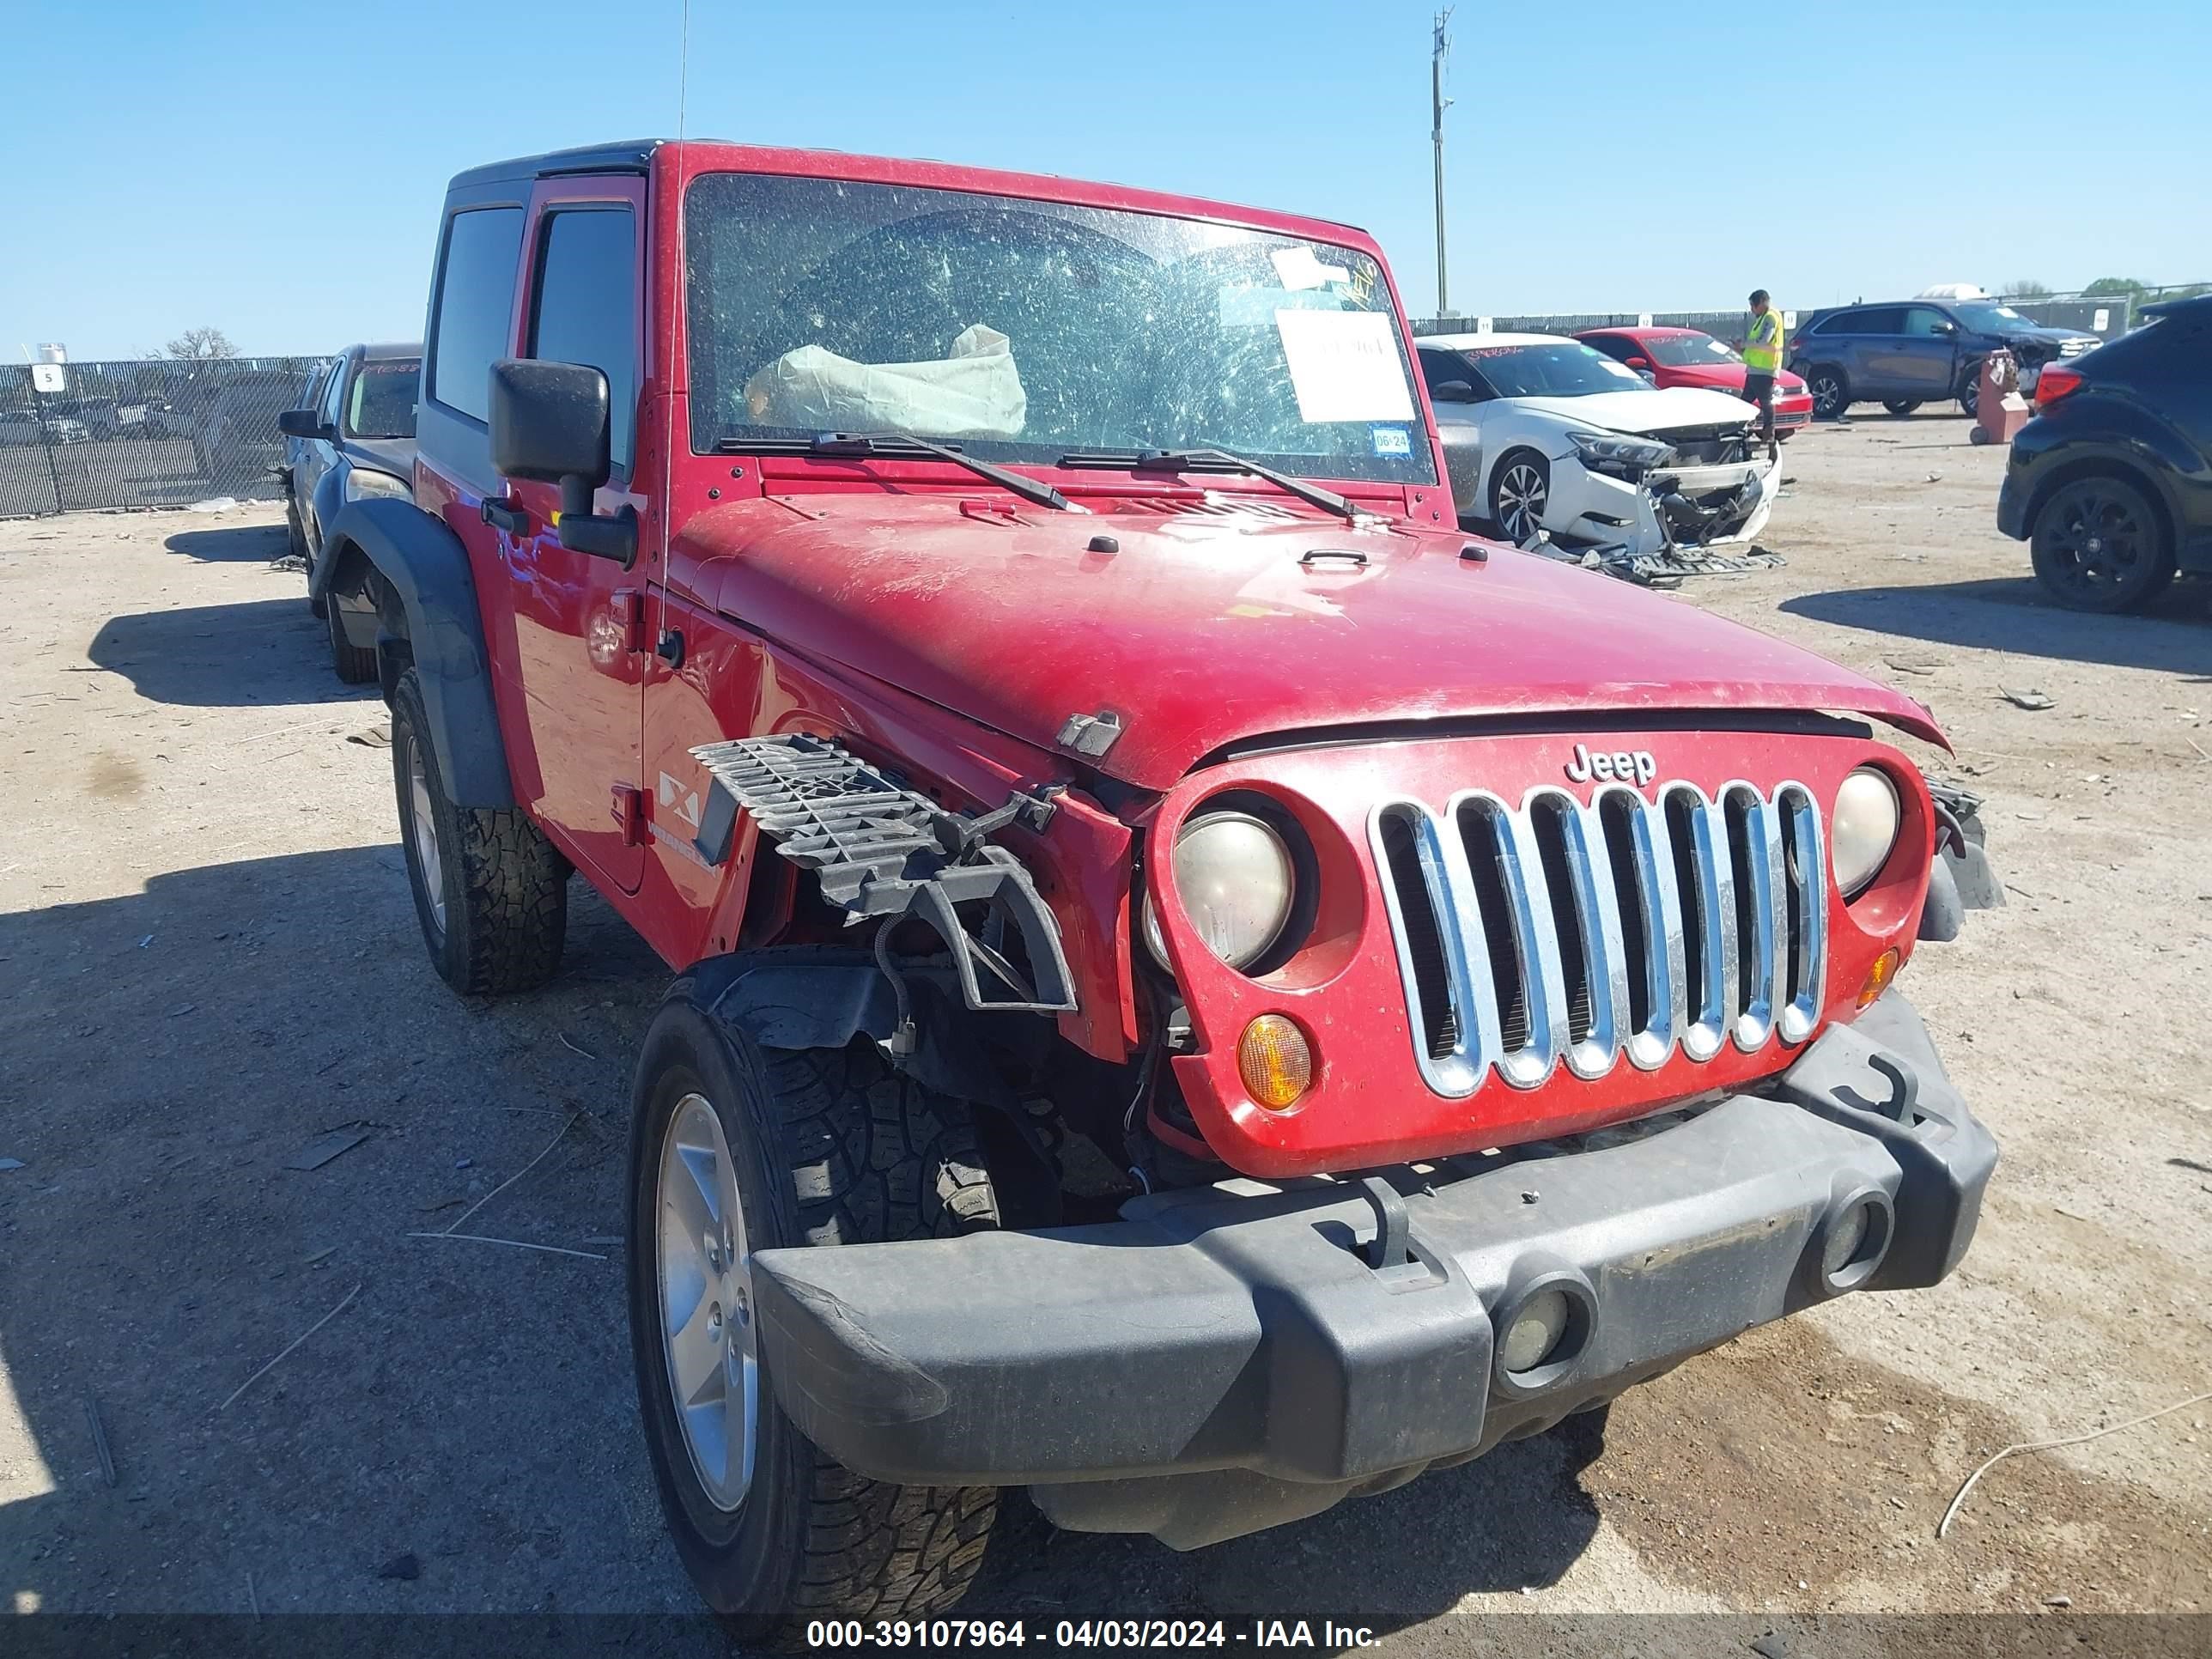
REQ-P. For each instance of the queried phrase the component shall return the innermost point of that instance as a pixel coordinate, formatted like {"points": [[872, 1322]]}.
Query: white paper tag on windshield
{"points": [[1345, 364]]}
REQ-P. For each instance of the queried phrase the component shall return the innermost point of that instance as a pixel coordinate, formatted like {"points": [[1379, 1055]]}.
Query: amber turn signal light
{"points": [[1276, 1062], [1879, 976]]}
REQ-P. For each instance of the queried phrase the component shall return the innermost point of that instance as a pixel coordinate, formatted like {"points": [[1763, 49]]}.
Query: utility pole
{"points": [[1438, 104]]}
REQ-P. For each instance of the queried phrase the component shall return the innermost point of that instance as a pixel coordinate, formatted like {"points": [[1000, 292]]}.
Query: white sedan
{"points": [[1542, 432]]}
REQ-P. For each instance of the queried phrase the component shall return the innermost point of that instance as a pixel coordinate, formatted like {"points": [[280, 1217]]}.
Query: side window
{"points": [[585, 310], [1619, 347], [475, 295], [1879, 319], [1923, 322], [332, 398], [1438, 367]]}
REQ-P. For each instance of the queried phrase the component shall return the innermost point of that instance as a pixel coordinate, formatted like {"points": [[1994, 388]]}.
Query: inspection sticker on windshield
{"points": [[1345, 364], [1393, 441]]}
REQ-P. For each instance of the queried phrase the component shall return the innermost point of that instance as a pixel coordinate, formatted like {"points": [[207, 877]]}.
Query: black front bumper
{"points": [[1226, 1358]]}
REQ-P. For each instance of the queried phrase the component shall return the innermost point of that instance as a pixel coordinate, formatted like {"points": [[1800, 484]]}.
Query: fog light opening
{"points": [[1534, 1334], [1855, 1242], [1275, 1061]]}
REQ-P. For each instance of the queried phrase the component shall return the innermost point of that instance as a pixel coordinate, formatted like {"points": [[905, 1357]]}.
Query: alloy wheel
{"points": [[1827, 390], [704, 1271], [1522, 494], [2100, 540]]}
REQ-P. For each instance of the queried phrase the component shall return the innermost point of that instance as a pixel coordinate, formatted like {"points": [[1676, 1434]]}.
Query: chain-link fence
{"points": [[2105, 315], [155, 433]]}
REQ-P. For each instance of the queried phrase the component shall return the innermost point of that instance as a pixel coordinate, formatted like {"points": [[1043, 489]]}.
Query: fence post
{"points": [[46, 441]]}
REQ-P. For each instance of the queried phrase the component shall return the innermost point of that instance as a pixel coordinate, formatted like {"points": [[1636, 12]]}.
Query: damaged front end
{"points": [[1682, 494]]}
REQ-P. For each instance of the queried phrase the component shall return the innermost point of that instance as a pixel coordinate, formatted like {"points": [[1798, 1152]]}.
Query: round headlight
{"points": [[1236, 879], [1868, 814]]}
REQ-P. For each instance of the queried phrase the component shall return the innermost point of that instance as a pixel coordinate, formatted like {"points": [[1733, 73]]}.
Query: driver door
{"points": [[578, 620]]}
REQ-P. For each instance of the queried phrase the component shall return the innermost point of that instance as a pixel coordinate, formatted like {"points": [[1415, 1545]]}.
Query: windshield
{"points": [[381, 403], [1991, 320], [1025, 330], [1688, 350], [1563, 369]]}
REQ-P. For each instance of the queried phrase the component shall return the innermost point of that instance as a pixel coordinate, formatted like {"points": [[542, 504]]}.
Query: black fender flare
{"points": [[325, 501], [427, 569]]}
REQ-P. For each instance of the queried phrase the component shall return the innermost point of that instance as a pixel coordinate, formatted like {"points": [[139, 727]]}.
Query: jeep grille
{"points": [[1561, 932]]}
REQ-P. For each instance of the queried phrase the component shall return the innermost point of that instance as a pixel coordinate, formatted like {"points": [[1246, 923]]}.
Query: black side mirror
{"points": [[1452, 392], [305, 423], [1947, 328], [549, 424]]}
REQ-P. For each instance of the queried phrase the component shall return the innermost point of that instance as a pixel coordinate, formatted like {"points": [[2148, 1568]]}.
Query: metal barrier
{"points": [[155, 433]]}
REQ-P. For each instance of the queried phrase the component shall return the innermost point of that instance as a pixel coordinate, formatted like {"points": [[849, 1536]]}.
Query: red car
{"points": [[1007, 644], [1689, 356]]}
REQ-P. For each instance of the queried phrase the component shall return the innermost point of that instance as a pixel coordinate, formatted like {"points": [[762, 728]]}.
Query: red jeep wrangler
{"points": [[1264, 994]]}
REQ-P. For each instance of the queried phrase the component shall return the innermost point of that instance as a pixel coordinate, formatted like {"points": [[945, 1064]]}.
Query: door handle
{"points": [[513, 519]]}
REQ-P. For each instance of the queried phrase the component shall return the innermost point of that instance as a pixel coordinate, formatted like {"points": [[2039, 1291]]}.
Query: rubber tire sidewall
{"points": [[746, 1564], [448, 951], [1901, 407]]}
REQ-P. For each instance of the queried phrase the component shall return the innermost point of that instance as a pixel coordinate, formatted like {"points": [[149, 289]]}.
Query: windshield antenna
{"points": [[668, 379]]}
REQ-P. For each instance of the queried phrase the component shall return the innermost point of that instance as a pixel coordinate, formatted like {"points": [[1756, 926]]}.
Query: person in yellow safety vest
{"points": [[1762, 361]]}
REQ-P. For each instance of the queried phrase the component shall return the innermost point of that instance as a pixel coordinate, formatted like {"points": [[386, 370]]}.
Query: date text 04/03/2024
{"points": [[928, 1634]]}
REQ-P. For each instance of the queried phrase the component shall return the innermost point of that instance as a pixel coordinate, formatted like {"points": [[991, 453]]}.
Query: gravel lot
{"points": [[209, 961]]}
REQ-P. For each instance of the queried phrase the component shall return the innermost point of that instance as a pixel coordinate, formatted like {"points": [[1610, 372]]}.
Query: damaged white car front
{"points": [[1555, 445]]}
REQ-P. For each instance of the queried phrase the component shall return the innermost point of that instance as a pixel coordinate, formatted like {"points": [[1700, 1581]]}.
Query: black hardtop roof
{"points": [[623, 156]]}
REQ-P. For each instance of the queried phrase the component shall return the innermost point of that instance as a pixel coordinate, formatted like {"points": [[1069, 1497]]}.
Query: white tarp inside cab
{"points": [[973, 394]]}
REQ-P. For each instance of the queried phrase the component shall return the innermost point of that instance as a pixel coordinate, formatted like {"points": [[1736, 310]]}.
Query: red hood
{"points": [[1204, 627]]}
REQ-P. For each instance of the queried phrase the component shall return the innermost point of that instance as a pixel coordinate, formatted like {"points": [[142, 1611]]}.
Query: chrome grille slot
{"points": [[1561, 932]]}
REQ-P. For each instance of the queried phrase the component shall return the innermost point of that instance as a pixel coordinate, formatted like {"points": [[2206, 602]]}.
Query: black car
{"points": [[1918, 351], [2111, 484]]}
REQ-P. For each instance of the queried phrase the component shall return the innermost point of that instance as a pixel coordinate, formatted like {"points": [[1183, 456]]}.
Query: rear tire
{"points": [[1900, 406], [356, 664], [490, 891], [2099, 545], [822, 1148], [1832, 393]]}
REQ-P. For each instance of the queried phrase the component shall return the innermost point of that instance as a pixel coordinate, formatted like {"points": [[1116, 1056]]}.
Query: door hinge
{"points": [[629, 813], [628, 605]]}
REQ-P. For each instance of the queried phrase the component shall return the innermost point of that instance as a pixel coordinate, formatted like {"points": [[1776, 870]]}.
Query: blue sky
{"points": [[275, 170]]}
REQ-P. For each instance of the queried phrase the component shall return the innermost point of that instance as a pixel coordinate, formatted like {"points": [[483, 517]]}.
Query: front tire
{"points": [[1832, 393], [1970, 392], [490, 891], [1520, 489], [1900, 406], [751, 1149], [2099, 545], [355, 665]]}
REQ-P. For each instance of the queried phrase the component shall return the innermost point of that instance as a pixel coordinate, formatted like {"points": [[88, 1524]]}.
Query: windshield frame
{"points": [[1409, 460]]}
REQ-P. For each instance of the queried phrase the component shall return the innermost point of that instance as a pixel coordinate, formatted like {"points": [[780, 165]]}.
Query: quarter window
{"points": [[475, 296], [586, 309]]}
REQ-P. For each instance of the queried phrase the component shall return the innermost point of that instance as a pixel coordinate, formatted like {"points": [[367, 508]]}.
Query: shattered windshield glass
{"points": [[1023, 331]]}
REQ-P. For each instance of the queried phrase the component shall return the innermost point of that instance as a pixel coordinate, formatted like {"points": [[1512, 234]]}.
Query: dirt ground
{"points": [[209, 963]]}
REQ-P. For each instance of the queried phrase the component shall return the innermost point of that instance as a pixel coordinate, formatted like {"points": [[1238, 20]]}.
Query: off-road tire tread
{"points": [[518, 900], [514, 899], [355, 665], [877, 1158]]}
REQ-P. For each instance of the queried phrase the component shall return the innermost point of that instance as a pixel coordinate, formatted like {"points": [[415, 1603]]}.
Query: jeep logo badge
{"points": [[1624, 765]]}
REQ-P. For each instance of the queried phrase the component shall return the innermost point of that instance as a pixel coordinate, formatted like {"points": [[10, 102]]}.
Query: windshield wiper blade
{"points": [[1218, 460], [891, 444]]}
